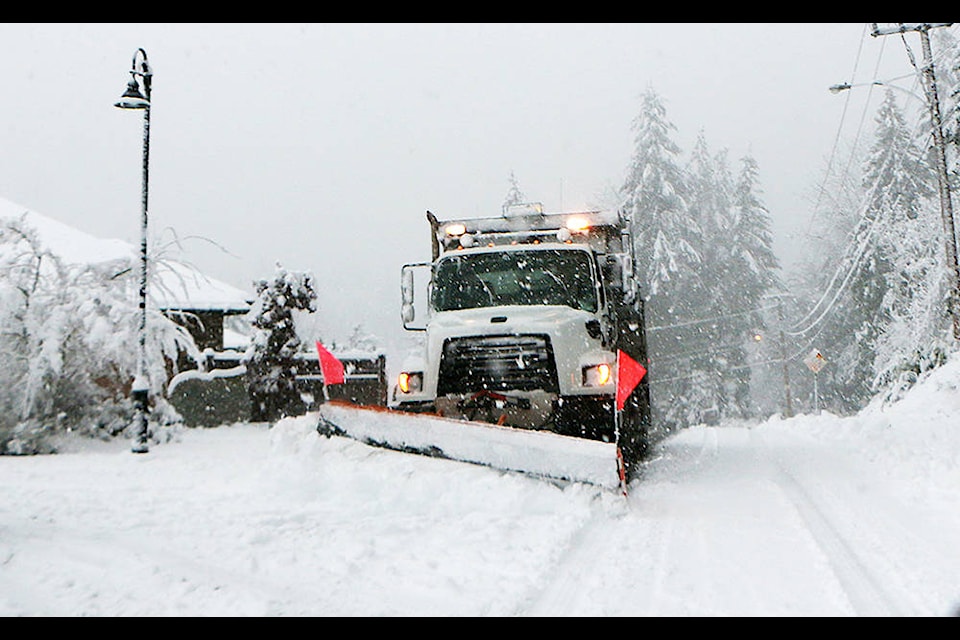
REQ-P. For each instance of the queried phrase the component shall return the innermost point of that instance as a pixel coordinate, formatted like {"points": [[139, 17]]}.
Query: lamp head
{"points": [[132, 98]]}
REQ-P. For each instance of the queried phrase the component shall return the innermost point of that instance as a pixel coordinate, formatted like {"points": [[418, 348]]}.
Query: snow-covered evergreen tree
{"points": [[361, 340], [271, 357], [751, 272], [884, 264], [711, 351], [900, 184], [710, 190], [666, 240], [704, 257], [654, 198], [514, 195], [738, 267]]}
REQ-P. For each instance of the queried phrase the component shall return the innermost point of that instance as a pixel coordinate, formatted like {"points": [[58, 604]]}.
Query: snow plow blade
{"points": [[535, 453]]}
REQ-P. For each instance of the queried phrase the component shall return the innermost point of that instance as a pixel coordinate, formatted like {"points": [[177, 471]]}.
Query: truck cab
{"points": [[523, 315]]}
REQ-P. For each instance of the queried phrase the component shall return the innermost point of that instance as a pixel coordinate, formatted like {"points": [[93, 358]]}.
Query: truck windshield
{"points": [[539, 277]]}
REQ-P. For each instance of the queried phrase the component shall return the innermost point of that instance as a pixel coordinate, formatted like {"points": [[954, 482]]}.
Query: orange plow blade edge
{"points": [[535, 453]]}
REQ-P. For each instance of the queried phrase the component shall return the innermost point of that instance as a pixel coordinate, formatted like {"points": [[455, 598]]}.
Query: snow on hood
{"points": [[530, 318]]}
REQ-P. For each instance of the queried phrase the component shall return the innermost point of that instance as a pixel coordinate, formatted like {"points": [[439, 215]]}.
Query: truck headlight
{"points": [[597, 375], [410, 382]]}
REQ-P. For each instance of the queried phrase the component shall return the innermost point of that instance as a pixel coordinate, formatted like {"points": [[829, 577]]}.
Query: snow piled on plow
{"points": [[536, 453]]}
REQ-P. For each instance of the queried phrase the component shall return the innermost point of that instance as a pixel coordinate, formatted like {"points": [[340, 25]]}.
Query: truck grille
{"points": [[497, 363]]}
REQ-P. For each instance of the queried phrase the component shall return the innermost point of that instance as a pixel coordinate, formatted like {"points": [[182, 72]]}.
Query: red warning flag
{"points": [[629, 374], [331, 368]]}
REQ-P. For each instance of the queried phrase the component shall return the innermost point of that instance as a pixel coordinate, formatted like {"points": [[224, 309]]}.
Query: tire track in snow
{"points": [[866, 594], [595, 549], [83, 568], [673, 540], [563, 581]]}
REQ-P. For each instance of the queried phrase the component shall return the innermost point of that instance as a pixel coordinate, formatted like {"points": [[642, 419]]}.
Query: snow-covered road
{"points": [[748, 522], [785, 518]]}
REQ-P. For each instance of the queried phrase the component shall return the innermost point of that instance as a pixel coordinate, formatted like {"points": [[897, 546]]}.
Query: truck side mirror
{"points": [[406, 293], [619, 273], [613, 272], [408, 312], [629, 282]]}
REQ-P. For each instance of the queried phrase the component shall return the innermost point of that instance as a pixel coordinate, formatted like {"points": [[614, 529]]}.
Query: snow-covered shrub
{"points": [[359, 340], [900, 376], [67, 346], [271, 358]]}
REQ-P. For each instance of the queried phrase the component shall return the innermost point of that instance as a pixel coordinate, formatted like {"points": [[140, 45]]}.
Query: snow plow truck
{"points": [[534, 352]]}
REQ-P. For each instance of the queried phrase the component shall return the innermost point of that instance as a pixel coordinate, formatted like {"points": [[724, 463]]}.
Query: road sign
{"points": [[814, 361]]}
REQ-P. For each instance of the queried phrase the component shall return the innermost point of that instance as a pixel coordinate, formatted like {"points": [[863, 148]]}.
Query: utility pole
{"points": [[783, 360], [788, 401], [946, 205]]}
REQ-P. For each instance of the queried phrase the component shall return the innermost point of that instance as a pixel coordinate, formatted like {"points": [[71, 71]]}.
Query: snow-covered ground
{"points": [[811, 516]]}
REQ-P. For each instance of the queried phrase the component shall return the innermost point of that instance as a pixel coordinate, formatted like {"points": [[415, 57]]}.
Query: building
{"points": [[184, 294], [215, 391]]}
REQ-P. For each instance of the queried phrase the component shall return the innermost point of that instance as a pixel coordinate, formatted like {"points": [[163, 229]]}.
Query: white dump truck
{"points": [[527, 318]]}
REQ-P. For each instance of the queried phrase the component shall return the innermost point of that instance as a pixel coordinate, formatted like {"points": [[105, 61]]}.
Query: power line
{"points": [[706, 320], [861, 250], [689, 353], [861, 215], [843, 176], [836, 139], [748, 365], [863, 118]]}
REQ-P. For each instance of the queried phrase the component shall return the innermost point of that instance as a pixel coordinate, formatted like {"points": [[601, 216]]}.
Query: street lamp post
{"points": [[132, 98], [843, 86]]}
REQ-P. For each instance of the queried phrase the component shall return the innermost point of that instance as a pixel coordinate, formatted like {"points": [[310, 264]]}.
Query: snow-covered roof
{"points": [[173, 285]]}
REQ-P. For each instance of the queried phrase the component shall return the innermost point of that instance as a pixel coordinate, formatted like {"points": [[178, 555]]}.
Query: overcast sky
{"points": [[321, 146]]}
